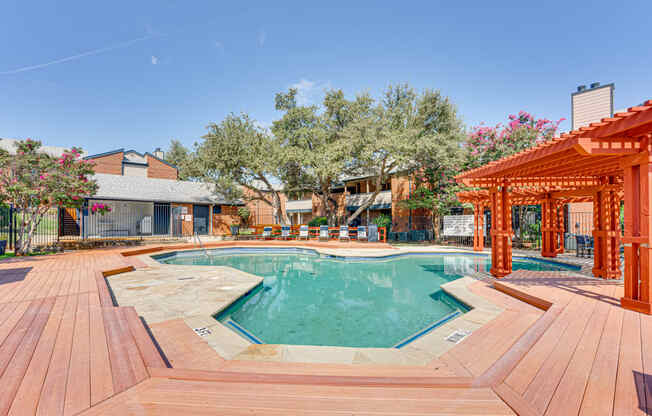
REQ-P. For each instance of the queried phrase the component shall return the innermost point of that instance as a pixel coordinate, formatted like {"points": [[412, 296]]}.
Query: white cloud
{"points": [[154, 60], [310, 92], [262, 37]]}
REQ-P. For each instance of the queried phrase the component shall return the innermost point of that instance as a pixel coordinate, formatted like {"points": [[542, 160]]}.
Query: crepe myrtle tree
{"points": [[523, 130], [34, 182], [242, 160]]}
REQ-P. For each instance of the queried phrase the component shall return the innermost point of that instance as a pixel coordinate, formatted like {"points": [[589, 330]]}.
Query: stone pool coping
{"points": [[162, 295]]}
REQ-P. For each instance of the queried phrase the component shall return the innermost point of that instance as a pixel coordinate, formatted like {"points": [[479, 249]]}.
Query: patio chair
{"points": [[267, 233], [344, 233], [304, 232], [589, 246], [584, 245], [285, 232], [362, 233], [323, 232]]}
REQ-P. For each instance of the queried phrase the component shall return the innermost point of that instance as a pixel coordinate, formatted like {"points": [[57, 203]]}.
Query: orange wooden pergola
{"points": [[606, 162]]}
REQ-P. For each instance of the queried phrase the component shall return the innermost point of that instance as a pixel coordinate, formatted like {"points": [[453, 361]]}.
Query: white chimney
{"points": [[589, 105], [159, 153]]}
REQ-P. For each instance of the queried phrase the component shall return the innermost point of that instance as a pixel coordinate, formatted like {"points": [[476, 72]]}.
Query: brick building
{"points": [[353, 192]]}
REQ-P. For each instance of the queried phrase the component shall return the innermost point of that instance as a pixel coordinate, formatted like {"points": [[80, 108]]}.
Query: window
{"points": [[217, 209]]}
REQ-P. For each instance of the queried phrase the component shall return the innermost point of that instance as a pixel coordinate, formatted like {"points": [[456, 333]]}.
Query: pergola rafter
{"points": [[606, 162]]}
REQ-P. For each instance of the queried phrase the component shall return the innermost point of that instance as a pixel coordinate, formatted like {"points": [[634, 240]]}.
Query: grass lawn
{"points": [[11, 255], [6, 256]]}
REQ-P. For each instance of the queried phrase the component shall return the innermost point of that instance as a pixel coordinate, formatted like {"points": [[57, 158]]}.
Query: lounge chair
{"points": [[304, 232], [323, 232], [362, 233], [267, 233], [344, 233], [285, 232]]}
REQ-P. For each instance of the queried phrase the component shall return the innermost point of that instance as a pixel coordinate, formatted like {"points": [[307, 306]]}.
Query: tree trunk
{"points": [[368, 202], [435, 226], [330, 205], [279, 212], [372, 197]]}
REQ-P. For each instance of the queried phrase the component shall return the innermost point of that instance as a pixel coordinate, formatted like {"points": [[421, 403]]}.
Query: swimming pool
{"points": [[312, 299]]}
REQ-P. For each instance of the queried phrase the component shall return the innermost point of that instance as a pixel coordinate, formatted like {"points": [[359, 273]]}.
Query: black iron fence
{"points": [[126, 220], [46, 233]]}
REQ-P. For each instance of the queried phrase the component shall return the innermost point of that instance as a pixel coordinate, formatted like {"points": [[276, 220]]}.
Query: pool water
{"points": [[308, 299]]}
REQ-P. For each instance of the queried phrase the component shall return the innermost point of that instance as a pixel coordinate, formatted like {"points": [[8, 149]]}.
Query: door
{"points": [[177, 221], [161, 219], [200, 219]]}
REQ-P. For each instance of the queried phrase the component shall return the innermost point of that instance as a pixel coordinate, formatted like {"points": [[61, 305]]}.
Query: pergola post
{"points": [[560, 228], [606, 232], [501, 231], [637, 241], [478, 227], [549, 227]]}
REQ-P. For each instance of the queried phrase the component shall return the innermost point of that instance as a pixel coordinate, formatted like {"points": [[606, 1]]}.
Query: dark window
{"points": [[217, 209]]}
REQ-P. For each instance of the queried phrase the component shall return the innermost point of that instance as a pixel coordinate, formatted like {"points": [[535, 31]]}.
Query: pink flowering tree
{"points": [[34, 182], [486, 144]]}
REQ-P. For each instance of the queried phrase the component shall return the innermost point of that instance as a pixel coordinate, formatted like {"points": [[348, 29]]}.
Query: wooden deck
{"points": [[66, 349]]}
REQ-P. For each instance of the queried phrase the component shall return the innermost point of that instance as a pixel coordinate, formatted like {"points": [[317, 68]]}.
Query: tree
{"points": [[409, 133], [244, 214], [363, 137], [242, 160], [34, 182], [439, 161], [486, 144], [181, 157], [315, 156]]}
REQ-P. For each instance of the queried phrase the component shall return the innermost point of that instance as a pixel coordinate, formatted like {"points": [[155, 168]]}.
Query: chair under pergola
{"points": [[606, 162]]}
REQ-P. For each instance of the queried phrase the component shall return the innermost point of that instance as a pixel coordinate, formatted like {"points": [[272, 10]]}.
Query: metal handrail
{"points": [[201, 245]]}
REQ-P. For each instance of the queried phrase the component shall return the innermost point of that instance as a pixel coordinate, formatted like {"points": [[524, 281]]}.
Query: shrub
{"points": [[383, 221], [317, 221], [244, 214]]}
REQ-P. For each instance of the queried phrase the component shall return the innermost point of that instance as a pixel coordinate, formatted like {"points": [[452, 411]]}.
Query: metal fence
{"points": [[47, 232], [126, 220]]}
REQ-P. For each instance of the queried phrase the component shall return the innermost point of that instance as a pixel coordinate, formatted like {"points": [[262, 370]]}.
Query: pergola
{"points": [[606, 162]]}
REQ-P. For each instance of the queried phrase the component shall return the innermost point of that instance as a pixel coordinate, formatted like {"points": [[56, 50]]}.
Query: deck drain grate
{"points": [[203, 331], [457, 336]]}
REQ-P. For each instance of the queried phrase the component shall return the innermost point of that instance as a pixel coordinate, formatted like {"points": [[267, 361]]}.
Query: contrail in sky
{"points": [[80, 55]]}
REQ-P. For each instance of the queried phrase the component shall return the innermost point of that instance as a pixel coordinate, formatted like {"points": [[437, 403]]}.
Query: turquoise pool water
{"points": [[307, 299]]}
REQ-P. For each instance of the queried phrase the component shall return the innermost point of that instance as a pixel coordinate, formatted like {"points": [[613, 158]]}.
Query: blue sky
{"points": [[136, 74]]}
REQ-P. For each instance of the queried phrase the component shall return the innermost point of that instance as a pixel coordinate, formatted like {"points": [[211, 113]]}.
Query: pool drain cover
{"points": [[203, 331], [457, 336]]}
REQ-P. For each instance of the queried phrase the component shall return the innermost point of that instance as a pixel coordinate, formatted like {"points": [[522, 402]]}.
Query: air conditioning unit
{"points": [[145, 225]]}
